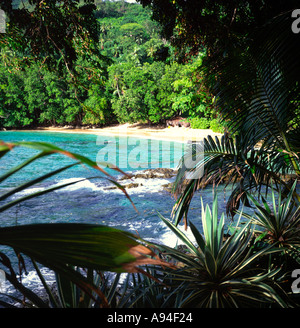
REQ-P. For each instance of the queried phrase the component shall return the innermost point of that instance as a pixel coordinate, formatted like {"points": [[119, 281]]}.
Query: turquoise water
{"points": [[89, 201]]}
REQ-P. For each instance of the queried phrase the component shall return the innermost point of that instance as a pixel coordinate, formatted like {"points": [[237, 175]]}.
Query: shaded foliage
{"points": [[49, 30], [215, 25]]}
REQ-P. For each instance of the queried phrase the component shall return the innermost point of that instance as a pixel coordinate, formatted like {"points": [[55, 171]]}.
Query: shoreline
{"points": [[178, 134]]}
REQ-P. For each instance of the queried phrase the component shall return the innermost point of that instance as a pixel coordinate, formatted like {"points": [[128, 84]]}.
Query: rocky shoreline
{"points": [[163, 173], [158, 173]]}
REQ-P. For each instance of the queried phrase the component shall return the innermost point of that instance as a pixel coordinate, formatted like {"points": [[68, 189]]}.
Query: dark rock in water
{"points": [[128, 186], [109, 188], [133, 185], [158, 173]]}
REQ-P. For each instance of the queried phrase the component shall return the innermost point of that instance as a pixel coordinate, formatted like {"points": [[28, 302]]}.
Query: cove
{"points": [[92, 200]]}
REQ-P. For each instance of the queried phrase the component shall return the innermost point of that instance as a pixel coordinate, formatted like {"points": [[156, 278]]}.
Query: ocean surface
{"points": [[92, 200]]}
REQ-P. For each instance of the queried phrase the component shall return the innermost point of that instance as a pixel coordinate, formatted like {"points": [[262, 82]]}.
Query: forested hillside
{"points": [[131, 75]]}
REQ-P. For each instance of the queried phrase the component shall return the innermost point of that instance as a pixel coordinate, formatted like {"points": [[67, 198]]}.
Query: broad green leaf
{"points": [[198, 237], [90, 246]]}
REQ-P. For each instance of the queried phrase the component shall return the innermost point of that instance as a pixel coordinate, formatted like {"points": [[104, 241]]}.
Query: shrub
{"points": [[199, 123], [216, 126], [220, 271]]}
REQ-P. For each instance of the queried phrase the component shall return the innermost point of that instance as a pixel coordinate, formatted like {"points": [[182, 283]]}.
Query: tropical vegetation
{"points": [[246, 56], [257, 95], [94, 79]]}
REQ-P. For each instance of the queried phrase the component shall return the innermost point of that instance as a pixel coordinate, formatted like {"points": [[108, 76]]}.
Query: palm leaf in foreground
{"points": [[257, 95], [230, 161], [61, 247], [86, 245], [46, 149]]}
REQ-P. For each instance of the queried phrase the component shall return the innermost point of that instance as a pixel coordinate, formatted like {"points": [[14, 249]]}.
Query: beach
{"points": [[179, 134]]}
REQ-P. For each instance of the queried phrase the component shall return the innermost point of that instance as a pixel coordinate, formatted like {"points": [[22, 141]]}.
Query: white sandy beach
{"points": [[179, 134]]}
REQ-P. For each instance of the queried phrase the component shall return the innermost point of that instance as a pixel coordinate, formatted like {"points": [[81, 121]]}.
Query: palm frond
{"points": [[230, 161], [257, 88], [257, 94], [46, 149]]}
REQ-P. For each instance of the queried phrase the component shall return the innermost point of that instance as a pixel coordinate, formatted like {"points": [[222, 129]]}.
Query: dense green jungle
{"points": [[229, 66], [132, 76]]}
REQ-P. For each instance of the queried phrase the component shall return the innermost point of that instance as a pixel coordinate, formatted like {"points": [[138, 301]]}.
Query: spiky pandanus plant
{"points": [[218, 271]]}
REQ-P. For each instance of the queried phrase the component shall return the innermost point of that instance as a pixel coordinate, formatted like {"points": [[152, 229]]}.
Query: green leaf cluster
{"points": [[118, 70], [220, 270], [257, 94], [155, 92]]}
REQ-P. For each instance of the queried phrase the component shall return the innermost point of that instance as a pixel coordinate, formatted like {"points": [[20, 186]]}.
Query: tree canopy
{"points": [[215, 25], [50, 30], [118, 70]]}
